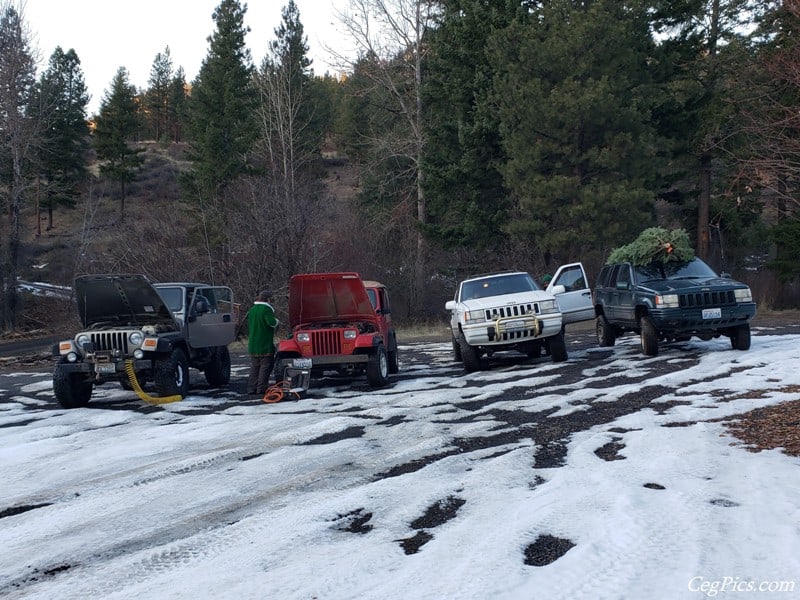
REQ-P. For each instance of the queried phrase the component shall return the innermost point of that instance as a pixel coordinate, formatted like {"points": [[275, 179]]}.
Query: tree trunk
{"points": [[122, 202], [703, 210], [704, 201]]}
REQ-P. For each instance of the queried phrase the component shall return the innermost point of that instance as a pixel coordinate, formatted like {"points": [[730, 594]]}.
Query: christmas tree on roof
{"points": [[655, 244]]}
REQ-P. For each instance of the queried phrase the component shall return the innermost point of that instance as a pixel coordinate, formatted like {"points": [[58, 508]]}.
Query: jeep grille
{"points": [[516, 310], [328, 341], [701, 299], [110, 340], [508, 336]]}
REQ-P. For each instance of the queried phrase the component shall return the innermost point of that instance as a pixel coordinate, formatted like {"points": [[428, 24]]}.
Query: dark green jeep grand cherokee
{"points": [[671, 301]]}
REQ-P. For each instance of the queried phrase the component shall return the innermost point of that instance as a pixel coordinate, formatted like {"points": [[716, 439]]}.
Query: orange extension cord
{"points": [[279, 391]]}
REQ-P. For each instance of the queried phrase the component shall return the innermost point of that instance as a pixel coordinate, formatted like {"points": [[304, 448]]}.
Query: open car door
{"points": [[576, 301]]}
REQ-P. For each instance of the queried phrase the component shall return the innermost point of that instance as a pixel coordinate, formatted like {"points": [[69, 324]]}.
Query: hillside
{"points": [[83, 239]]}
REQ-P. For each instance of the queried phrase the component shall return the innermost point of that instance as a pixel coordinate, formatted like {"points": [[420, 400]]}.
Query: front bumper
{"points": [[104, 370], [510, 331], [322, 362], [709, 319]]}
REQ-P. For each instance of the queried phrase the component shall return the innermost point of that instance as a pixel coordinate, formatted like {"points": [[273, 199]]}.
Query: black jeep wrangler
{"points": [[671, 301], [159, 331]]}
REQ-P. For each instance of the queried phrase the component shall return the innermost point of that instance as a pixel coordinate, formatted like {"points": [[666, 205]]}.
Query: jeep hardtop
{"points": [[339, 323], [668, 301], [161, 330]]}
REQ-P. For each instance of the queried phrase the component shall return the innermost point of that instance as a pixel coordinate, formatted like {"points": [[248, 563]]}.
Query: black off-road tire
{"points": [[171, 375], [456, 348], [394, 360], [71, 390], [535, 351], [649, 337], [378, 368], [470, 356], [606, 336], [740, 337], [218, 373], [558, 347]]}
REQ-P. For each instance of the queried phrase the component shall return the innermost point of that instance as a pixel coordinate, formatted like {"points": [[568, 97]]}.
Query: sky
{"points": [[212, 497], [108, 34]]}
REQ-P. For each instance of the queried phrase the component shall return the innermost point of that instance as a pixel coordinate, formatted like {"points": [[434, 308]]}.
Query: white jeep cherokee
{"points": [[505, 311]]}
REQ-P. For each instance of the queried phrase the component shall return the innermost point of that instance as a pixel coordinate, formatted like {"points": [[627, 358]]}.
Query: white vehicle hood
{"points": [[507, 300]]}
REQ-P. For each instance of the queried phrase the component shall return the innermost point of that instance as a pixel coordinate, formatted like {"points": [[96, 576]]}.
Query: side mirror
{"points": [[450, 305], [557, 289], [725, 275]]}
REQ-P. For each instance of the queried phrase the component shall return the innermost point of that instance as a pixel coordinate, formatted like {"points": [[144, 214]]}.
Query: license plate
{"points": [[712, 313], [301, 363], [107, 368], [515, 326]]}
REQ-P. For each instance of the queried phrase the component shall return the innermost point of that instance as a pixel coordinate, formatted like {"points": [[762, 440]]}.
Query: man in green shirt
{"points": [[261, 324]]}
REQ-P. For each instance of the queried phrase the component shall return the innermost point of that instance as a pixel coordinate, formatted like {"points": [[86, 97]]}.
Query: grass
{"points": [[423, 332]]}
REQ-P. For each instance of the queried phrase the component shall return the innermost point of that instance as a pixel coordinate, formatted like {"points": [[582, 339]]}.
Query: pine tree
{"points": [[19, 137], [158, 95], [63, 98], [467, 201], [290, 138], [701, 40], [178, 106], [116, 124], [289, 143], [655, 244], [221, 106], [575, 91]]}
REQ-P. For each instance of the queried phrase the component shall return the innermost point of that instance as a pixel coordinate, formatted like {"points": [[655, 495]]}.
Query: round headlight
{"points": [[136, 338], [82, 340], [72, 357], [138, 354]]}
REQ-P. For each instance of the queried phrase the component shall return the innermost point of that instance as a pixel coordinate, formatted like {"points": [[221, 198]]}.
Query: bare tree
{"points": [[390, 34], [20, 133], [767, 148], [288, 149]]}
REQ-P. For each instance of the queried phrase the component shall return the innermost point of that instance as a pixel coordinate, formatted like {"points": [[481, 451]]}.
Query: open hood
{"points": [[328, 297], [123, 299]]}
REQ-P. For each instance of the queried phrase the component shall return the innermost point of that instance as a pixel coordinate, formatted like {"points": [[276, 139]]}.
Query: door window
{"points": [[623, 278], [572, 279]]}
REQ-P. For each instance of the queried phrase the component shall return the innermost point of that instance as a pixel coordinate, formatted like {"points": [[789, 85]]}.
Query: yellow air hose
{"points": [[141, 393]]}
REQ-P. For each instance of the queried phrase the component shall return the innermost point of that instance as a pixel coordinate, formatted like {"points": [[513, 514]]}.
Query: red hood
{"points": [[328, 297]]}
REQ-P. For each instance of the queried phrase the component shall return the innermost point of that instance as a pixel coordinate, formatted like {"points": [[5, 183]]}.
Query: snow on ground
{"points": [[609, 476]]}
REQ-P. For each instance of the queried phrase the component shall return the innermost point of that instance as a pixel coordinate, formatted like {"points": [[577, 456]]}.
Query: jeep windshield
{"points": [[513, 283], [694, 269]]}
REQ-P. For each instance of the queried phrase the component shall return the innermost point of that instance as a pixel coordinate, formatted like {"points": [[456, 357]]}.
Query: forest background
{"points": [[466, 136]]}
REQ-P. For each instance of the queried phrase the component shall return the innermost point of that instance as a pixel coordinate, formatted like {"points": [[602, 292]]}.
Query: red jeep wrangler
{"points": [[338, 323]]}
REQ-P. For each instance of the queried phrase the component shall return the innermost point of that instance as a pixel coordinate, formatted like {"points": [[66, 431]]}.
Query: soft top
{"points": [[118, 299], [328, 297]]}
